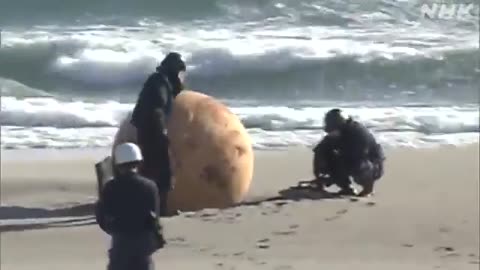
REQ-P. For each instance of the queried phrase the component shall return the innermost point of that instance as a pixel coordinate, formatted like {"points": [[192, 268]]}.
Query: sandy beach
{"points": [[424, 215]]}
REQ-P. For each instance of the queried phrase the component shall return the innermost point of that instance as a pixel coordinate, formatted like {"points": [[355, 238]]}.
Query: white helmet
{"points": [[126, 153]]}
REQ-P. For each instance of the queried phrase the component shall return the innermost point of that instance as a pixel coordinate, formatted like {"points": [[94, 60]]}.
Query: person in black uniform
{"points": [[128, 210], [149, 116], [349, 150]]}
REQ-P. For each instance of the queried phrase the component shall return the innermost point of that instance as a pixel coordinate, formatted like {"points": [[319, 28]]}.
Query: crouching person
{"points": [[348, 152], [128, 210]]}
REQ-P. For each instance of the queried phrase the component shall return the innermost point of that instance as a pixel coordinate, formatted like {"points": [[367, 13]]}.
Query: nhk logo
{"points": [[449, 11]]}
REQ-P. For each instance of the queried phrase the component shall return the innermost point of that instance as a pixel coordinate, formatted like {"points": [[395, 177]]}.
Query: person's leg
{"points": [[141, 263], [147, 142], [156, 162], [320, 171], [364, 175], [324, 163], [165, 175], [318, 164], [117, 261], [341, 177], [344, 183], [164, 203]]}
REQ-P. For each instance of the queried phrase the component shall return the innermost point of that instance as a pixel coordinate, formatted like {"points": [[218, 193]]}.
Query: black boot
{"points": [[344, 184], [163, 203]]}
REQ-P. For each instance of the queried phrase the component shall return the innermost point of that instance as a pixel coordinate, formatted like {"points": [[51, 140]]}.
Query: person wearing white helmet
{"points": [[128, 210]]}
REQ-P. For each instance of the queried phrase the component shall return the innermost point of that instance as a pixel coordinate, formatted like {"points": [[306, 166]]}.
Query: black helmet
{"points": [[173, 63], [333, 120]]}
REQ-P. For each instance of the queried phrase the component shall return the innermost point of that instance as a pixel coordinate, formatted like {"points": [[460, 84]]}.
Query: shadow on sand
{"points": [[18, 212], [14, 218], [82, 215], [74, 222], [304, 190]]}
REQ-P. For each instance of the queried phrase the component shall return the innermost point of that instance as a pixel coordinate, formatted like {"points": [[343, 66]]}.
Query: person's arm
{"points": [[155, 214], [318, 157], [155, 207], [361, 145], [102, 211], [163, 106], [164, 93]]}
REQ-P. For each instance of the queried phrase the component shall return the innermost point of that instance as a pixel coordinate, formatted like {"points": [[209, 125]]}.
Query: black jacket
{"points": [[355, 144], [154, 102], [128, 205]]}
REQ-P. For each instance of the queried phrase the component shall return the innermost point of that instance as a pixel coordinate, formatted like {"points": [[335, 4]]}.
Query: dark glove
{"points": [[158, 232]]}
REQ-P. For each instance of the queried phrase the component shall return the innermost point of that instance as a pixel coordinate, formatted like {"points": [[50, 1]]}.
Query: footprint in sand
{"points": [[263, 243], [339, 213], [221, 255], [204, 249], [367, 203], [450, 255], [177, 239], [448, 252], [283, 267], [208, 213], [281, 203], [444, 249], [283, 233], [290, 231], [445, 229], [222, 265], [255, 261], [371, 204], [272, 208], [189, 214], [332, 218]]}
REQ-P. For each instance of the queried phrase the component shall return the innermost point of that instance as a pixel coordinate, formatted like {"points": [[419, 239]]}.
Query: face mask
{"points": [[334, 133], [181, 76]]}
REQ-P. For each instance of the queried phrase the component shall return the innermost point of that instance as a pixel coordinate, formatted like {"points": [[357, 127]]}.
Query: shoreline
{"points": [[98, 153]]}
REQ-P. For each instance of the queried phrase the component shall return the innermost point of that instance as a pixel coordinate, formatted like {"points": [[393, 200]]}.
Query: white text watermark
{"points": [[450, 11]]}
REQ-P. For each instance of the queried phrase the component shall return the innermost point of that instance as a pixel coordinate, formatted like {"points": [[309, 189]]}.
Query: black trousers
{"points": [[126, 262], [364, 173], [164, 202], [130, 252], [156, 161]]}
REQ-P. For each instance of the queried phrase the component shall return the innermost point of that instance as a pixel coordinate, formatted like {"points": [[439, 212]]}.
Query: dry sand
{"points": [[424, 215]]}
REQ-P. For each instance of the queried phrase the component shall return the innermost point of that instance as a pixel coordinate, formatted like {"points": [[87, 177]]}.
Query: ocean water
{"points": [[70, 72]]}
